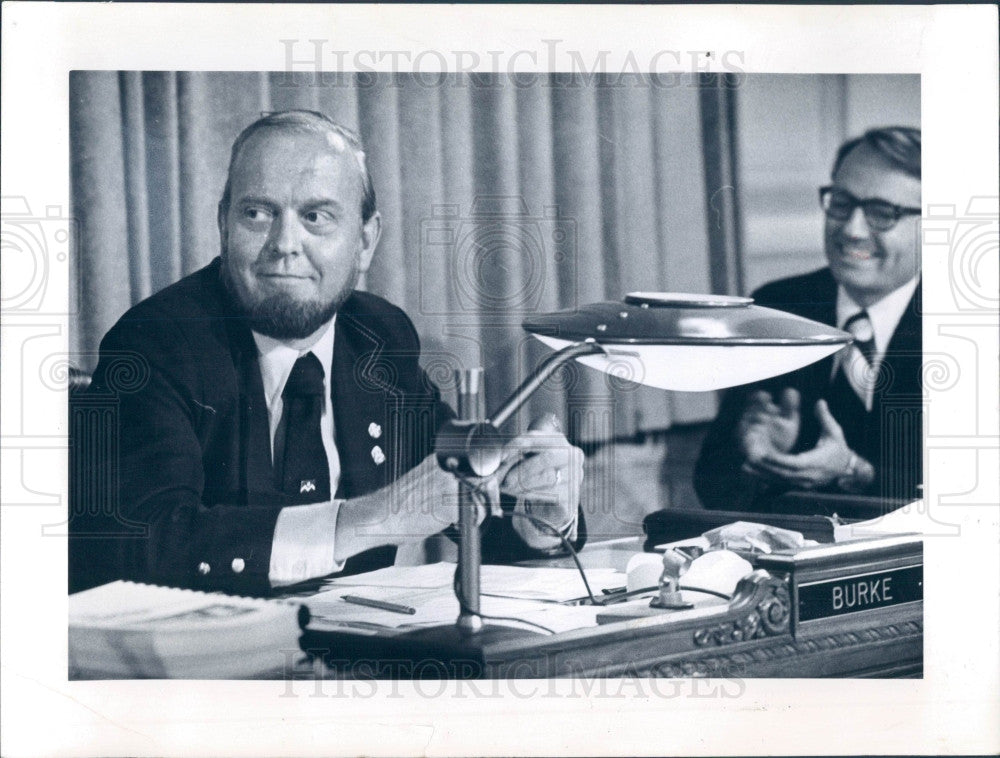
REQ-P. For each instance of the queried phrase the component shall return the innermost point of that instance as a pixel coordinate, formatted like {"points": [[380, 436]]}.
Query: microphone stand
{"points": [[472, 446]]}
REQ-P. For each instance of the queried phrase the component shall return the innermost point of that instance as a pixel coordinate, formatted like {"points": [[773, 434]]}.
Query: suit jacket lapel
{"points": [[904, 354], [908, 335], [257, 430], [360, 400], [256, 475]]}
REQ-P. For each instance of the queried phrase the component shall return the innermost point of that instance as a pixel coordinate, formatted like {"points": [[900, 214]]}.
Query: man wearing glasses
{"points": [[852, 423]]}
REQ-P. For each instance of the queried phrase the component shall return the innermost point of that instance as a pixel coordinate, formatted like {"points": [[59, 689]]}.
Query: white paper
{"points": [[439, 606], [912, 518], [536, 583]]}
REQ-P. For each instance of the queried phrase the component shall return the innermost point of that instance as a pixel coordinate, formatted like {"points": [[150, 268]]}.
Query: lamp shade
{"points": [[680, 341]]}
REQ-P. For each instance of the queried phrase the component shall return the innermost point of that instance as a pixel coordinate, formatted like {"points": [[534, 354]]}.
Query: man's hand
{"points": [[422, 502], [830, 460], [540, 466], [546, 471], [766, 427]]}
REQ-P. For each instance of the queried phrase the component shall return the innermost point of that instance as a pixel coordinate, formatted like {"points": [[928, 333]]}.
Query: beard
{"points": [[280, 315]]}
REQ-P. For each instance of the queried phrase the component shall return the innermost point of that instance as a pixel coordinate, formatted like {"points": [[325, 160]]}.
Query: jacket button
{"points": [[378, 456], [203, 568], [238, 565], [374, 430]]}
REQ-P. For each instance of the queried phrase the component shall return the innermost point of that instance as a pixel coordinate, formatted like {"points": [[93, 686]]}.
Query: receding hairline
{"points": [[870, 154], [899, 147], [338, 138], [334, 139]]}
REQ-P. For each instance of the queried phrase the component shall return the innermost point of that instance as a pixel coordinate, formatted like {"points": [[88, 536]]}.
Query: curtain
{"points": [[501, 197]]}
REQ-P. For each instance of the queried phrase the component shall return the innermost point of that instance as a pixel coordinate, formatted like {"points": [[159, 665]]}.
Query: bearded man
{"points": [[283, 429]]}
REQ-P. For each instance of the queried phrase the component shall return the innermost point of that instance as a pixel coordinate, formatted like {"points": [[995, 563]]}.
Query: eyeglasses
{"points": [[880, 214]]}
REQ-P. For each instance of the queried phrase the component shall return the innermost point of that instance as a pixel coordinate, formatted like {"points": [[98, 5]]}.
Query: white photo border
{"points": [[954, 708]]}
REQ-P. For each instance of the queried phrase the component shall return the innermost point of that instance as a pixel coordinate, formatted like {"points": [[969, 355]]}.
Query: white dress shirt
{"points": [[304, 535], [884, 316]]}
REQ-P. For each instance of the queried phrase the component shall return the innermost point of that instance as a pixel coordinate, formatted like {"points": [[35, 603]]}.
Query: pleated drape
{"points": [[500, 198]]}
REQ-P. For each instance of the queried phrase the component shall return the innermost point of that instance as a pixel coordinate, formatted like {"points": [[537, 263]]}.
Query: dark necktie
{"points": [[853, 371], [305, 473], [864, 335]]}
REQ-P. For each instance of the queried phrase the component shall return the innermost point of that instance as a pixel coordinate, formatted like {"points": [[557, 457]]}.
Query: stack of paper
{"points": [[138, 631]]}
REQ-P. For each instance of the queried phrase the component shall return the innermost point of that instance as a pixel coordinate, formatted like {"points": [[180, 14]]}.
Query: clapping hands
{"points": [[768, 431], [767, 427]]}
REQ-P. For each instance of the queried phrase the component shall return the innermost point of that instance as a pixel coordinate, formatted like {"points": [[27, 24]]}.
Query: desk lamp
{"points": [[673, 341]]}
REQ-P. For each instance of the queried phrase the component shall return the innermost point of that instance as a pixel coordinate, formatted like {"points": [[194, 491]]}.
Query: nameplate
{"points": [[862, 592]]}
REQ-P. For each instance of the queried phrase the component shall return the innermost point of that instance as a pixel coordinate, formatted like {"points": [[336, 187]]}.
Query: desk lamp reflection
{"points": [[673, 341]]}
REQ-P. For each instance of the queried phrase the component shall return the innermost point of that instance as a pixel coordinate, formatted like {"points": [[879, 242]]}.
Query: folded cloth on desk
{"points": [[742, 536], [755, 538]]}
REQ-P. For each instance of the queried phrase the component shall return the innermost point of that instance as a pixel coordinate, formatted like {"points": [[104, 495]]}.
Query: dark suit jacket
{"points": [[889, 436], [171, 450]]}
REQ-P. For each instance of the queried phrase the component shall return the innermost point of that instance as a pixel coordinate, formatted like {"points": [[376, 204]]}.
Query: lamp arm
{"points": [[475, 448], [530, 385]]}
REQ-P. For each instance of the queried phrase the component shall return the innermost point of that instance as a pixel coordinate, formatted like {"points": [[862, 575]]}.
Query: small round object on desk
{"points": [[238, 565], [204, 568], [718, 570], [643, 570]]}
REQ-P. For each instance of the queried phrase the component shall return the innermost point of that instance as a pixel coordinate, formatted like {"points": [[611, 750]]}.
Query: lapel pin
{"points": [[307, 485]]}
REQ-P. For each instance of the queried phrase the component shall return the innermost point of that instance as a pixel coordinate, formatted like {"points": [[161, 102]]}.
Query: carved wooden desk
{"points": [[758, 634]]}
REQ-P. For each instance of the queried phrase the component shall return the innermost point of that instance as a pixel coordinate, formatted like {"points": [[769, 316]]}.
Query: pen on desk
{"points": [[385, 606], [613, 596]]}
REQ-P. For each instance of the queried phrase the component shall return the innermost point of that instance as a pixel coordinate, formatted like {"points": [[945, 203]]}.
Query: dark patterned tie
{"points": [[864, 335], [858, 373], [305, 473]]}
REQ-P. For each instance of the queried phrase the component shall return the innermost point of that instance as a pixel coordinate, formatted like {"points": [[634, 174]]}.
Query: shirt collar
{"points": [[884, 315], [277, 358]]}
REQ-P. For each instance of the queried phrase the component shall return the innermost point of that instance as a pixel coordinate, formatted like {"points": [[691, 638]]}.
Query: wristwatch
{"points": [[857, 475]]}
